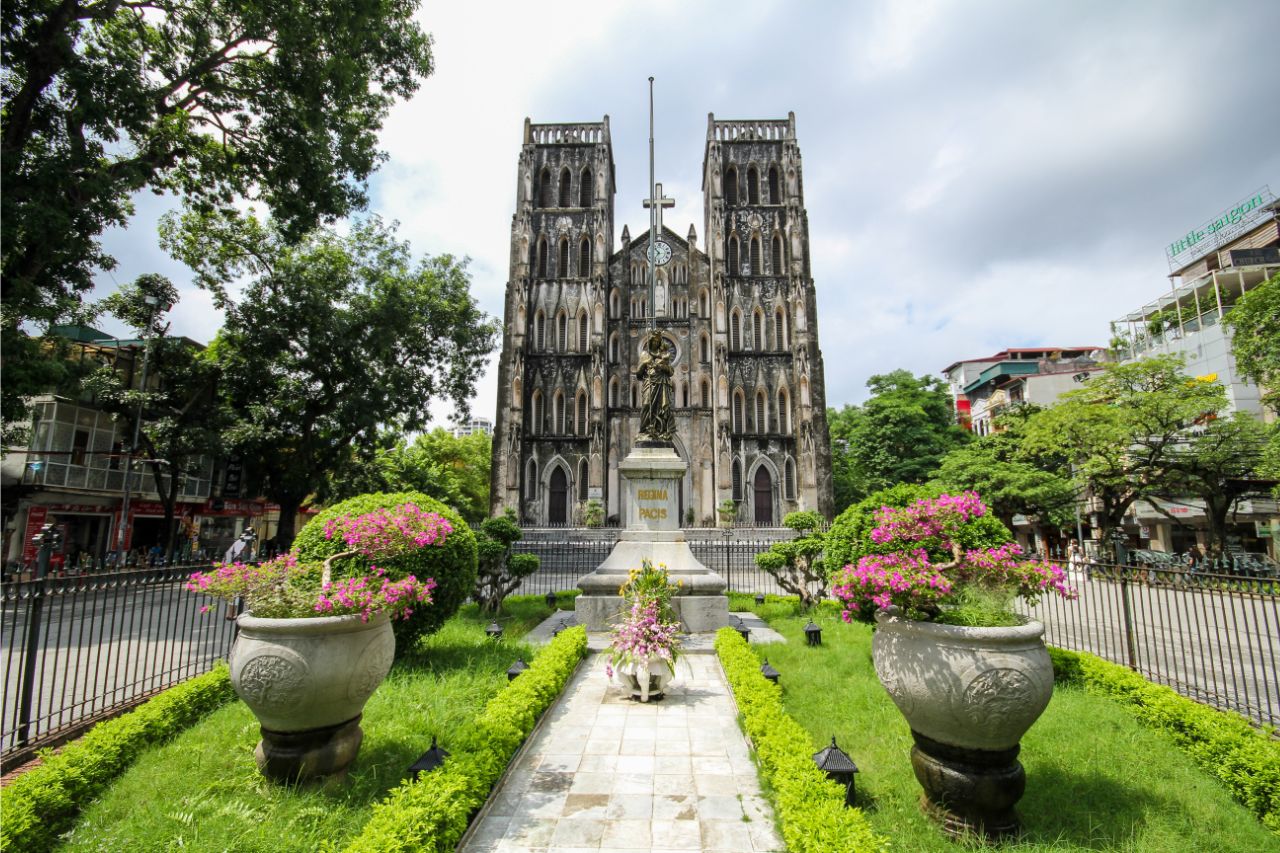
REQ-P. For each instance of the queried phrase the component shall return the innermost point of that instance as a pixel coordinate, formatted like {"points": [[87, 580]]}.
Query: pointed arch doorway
{"points": [[763, 487], [558, 497]]}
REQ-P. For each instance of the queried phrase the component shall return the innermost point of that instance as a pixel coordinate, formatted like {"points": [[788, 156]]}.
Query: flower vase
{"points": [[645, 682]]}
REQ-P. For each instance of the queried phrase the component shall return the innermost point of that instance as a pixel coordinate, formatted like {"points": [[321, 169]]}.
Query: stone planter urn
{"points": [[307, 681], [969, 694], [644, 684]]}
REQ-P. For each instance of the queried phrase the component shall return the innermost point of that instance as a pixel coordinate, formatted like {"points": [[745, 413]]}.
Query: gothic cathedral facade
{"points": [[741, 316]]}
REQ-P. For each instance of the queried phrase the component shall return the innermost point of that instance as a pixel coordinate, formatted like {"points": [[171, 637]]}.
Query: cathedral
{"points": [[738, 317]]}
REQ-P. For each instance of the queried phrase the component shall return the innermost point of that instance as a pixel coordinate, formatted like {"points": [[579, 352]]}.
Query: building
{"points": [[484, 426], [982, 388], [739, 315]]}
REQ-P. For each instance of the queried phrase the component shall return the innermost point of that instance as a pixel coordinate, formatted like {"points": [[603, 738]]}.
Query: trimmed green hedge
{"points": [[433, 812], [452, 565], [811, 810], [42, 803], [1224, 744]]}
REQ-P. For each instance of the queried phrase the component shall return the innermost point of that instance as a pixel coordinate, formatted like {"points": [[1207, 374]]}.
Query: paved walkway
{"points": [[607, 772]]}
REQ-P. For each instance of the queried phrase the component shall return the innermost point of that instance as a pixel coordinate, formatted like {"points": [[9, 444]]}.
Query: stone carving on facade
{"points": [[657, 420]]}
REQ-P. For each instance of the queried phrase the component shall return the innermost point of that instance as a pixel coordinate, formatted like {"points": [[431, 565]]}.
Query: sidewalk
{"points": [[606, 772]]}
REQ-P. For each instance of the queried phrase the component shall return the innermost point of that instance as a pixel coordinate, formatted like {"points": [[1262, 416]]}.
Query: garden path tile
{"points": [[604, 772]]}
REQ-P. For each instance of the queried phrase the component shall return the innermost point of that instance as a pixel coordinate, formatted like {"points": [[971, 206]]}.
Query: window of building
{"points": [[613, 348], [776, 260], [753, 186], [562, 332], [562, 267], [704, 348], [757, 330], [775, 189], [779, 338], [737, 480], [582, 479], [539, 331], [565, 189], [584, 258], [735, 331], [535, 414], [531, 480], [613, 393], [731, 256], [731, 185], [79, 446], [633, 395], [762, 425], [756, 268], [585, 188], [684, 395], [581, 414], [789, 479], [738, 413], [544, 189], [784, 413], [706, 394], [557, 414], [582, 332], [615, 304], [542, 257], [704, 303]]}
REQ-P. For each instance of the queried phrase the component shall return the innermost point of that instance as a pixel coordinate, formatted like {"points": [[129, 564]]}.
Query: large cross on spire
{"points": [[658, 202]]}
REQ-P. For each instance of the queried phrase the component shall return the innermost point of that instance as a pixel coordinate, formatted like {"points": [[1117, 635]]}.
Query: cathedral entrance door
{"points": [[558, 505], [763, 496]]}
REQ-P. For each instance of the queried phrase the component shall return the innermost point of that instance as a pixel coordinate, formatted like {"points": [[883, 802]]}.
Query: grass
{"points": [[203, 791], [1096, 779]]}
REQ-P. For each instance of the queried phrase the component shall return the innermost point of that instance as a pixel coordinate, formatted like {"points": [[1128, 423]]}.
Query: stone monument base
{"points": [[697, 613]]}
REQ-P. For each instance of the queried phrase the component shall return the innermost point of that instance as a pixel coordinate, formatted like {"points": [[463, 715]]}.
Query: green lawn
{"points": [[1096, 779], [202, 791]]}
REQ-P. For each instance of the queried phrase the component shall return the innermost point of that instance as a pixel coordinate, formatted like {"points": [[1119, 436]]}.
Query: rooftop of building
{"points": [[1025, 353]]}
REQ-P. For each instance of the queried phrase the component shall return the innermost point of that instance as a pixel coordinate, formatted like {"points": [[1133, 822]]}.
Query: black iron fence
{"points": [[1212, 637], [80, 648]]}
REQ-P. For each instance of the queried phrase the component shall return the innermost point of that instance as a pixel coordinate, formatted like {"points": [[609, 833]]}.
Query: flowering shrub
{"points": [[649, 631], [983, 581], [285, 588]]}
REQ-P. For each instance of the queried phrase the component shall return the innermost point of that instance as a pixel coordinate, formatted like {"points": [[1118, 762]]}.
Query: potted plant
{"points": [[311, 649], [727, 510], [645, 645], [969, 674]]}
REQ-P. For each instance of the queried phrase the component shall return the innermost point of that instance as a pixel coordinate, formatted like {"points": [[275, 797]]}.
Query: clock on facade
{"points": [[660, 252]]}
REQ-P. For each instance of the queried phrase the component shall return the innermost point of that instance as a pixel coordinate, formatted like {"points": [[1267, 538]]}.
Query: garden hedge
{"points": [[433, 812], [42, 803], [452, 565], [810, 808], [1224, 744]]}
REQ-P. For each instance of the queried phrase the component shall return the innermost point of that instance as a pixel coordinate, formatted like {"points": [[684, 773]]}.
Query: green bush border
{"points": [[433, 812], [43, 802], [1224, 744], [811, 810]]}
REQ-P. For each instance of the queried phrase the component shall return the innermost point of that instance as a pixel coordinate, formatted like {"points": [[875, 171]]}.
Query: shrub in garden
{"points": [[499, 571], [452, 565], [796, 564]]}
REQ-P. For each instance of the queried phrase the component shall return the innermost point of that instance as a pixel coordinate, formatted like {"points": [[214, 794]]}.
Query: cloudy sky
{"points": [[978, 175]]}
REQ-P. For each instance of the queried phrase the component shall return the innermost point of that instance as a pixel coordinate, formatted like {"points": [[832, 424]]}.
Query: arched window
{"points": [[584, 189], [581, 413], [735, 331], [562, 266], [704, 348], [706, 394], [737, 480], [531, 480], [539, 331], [559, 414], [753, 186], [731, 256], [565, 190], [731, 185], [533, 257], [762, 423], [613, 348], [738, 413], [535, 414], [582, 479], [562, 332], [584, 258], [582, 332], [779, 333], [775, 187], [517, 397], [615, 302], [784, 413], [757, 330], [704, 303], [756, 268], [684, 395], [776, 262], [613, 393], [633, 395], [789, 479], [542, 257], [544, 189]]}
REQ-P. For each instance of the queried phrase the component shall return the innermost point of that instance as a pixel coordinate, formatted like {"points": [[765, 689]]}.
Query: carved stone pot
{"points": [[307, 681], [644, 684], [969, 695]]}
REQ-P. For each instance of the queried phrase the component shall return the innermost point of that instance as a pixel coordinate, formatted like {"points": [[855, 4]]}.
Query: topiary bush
{"points": [[452, 565]]}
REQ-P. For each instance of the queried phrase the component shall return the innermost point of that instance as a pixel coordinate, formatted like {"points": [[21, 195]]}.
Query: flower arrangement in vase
{"points": [[645, 645]]}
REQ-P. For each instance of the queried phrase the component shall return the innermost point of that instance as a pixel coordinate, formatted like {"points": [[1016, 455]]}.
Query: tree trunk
{"points": [[287, 529], [1215, 512]]}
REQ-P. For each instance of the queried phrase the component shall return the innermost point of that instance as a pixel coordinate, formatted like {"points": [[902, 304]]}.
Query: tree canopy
{"points": [[1255, 339], [210, 100], [335, 340]]}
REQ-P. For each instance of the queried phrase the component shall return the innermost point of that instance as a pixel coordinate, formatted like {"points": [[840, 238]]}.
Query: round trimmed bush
{"points": [[452, 565]]}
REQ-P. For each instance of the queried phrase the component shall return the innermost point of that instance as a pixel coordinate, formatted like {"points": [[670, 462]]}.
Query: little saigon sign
{"points": [[1219, 230]]}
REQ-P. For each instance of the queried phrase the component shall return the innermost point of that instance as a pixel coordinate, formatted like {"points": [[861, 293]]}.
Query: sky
{"points": [[978, 175]]}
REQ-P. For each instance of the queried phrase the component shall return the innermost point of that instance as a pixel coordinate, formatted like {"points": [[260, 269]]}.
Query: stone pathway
{"points": [[606, 772]]}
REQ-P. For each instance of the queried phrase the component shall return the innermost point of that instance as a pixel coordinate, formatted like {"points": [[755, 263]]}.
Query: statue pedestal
{"points": [[652, 473]]}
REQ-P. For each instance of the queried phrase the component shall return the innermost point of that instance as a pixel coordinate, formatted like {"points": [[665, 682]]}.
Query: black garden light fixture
{"points": [[516, 668], [759, 598], [839, 768], [551, 601], [494, 631], [735, 622], [767, 670], [812, 634], [429, 760]]}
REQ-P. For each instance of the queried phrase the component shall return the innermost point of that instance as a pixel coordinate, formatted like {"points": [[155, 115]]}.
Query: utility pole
{"points": [[122, 529]]}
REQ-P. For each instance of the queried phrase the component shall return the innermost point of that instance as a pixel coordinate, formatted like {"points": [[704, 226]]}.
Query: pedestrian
{"points": [[1195, 556], [1075, 557]]}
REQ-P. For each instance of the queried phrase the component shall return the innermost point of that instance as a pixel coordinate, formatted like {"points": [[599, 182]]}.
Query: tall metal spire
{"points": [[653, 227]]}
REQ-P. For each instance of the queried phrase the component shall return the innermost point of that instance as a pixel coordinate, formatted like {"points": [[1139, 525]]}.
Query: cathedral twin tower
{"points": [[740, 316]]}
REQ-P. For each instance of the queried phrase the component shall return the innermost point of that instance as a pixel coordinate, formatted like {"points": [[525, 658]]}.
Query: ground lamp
{"points": [[430, 760], [516, 668], [812, 634], [551, 599], [759, 598], [769, 672], [494, 631], [839, 768], [735, 623]]}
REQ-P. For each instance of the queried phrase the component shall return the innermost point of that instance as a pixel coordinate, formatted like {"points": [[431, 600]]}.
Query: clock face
{"points": [[660, 253]]}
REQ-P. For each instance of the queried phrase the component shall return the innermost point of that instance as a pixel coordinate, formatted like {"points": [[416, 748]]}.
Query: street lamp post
{"points": [[122, 529]]}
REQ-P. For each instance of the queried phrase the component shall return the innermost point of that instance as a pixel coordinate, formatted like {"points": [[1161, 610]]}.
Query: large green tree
{"points": [[1255, 339], [334, 340], [898, 436], [211, 100], [1123, 430]]}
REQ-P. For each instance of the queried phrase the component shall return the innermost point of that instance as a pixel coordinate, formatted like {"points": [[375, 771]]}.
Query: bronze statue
{"points": [[657, 422]]}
